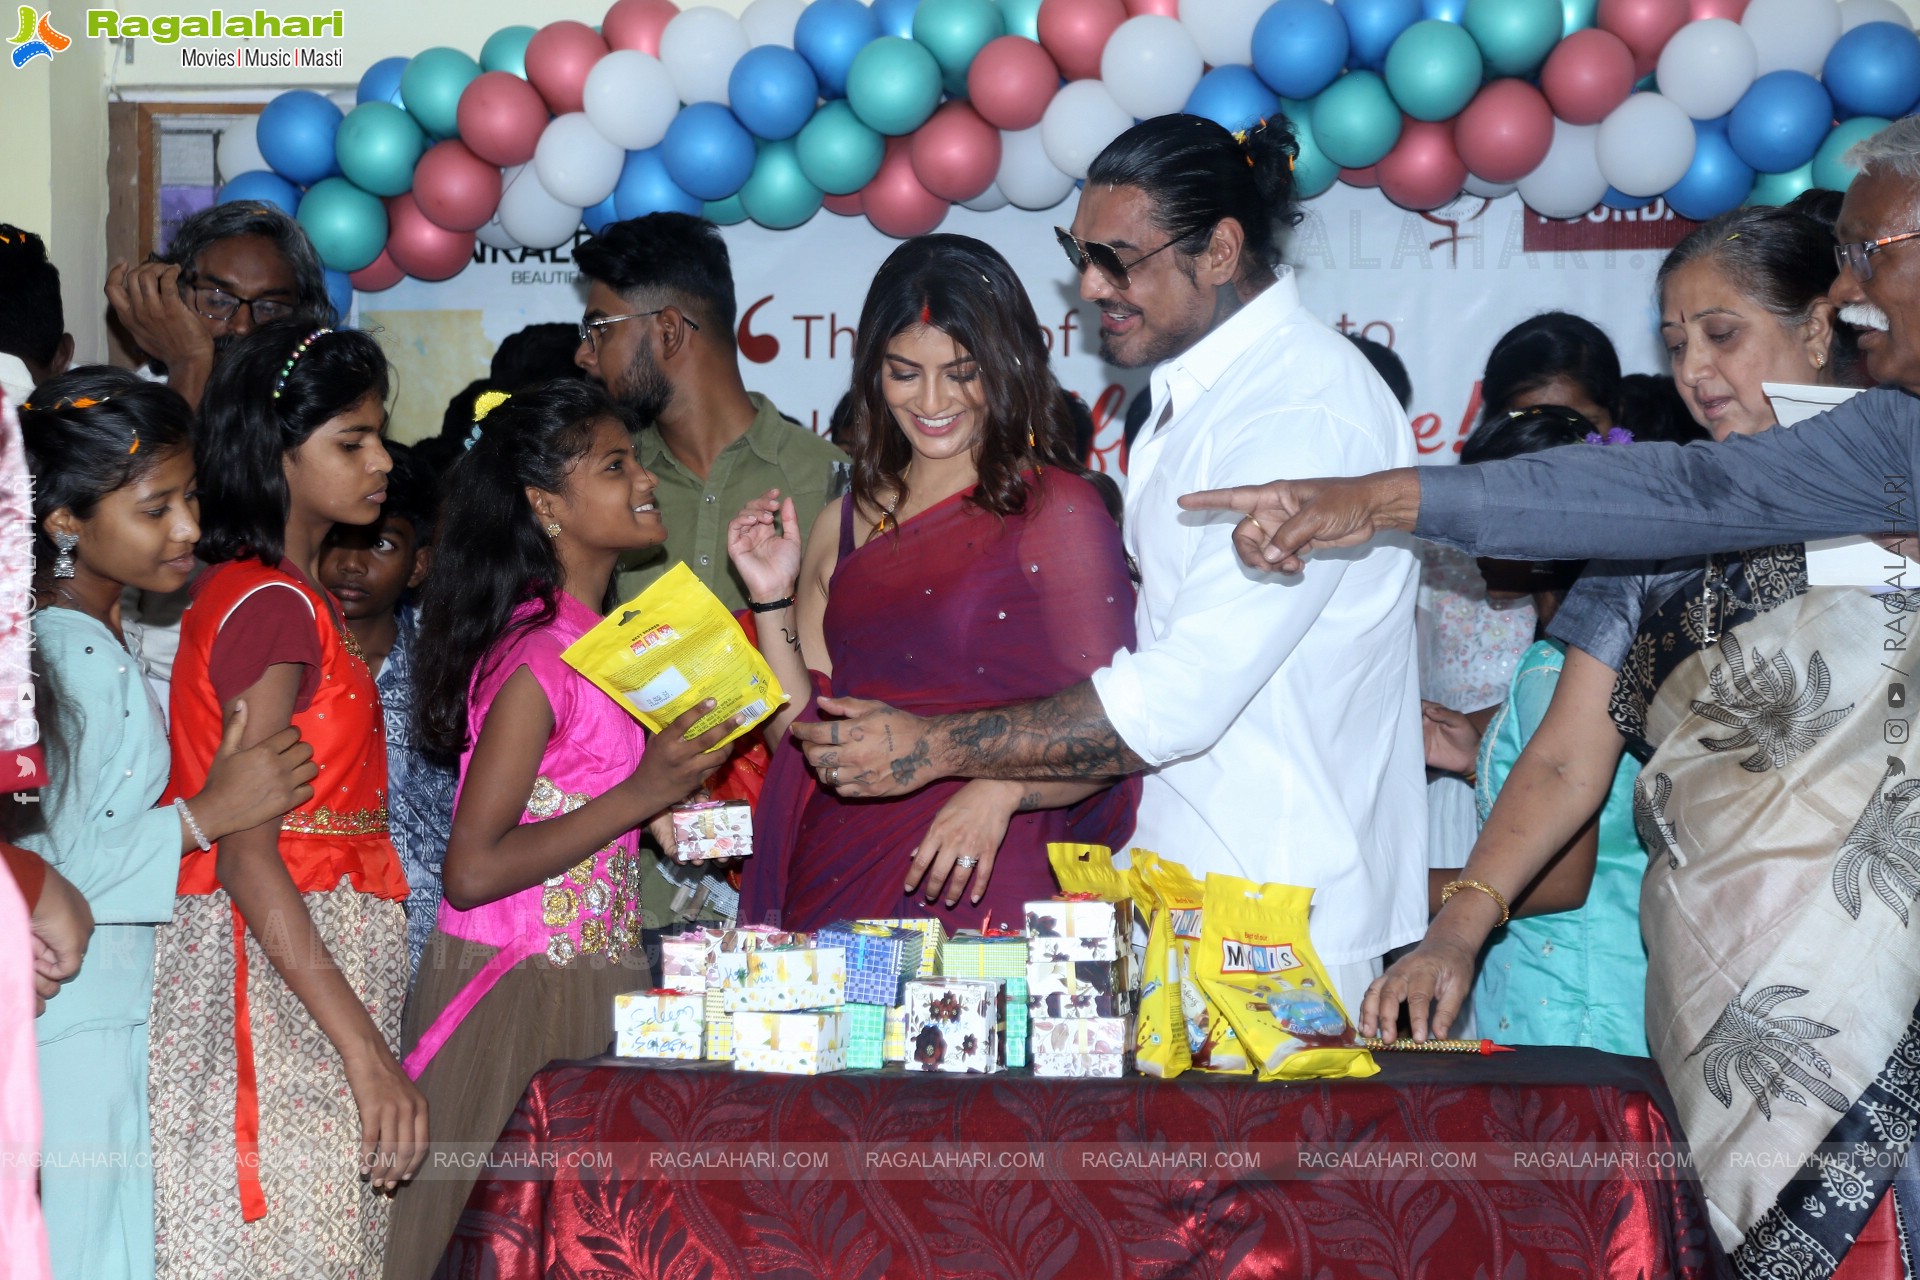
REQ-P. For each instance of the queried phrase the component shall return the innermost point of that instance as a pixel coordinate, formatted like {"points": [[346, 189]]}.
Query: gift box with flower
{"points": [[806, 1042], [684, 958], [1078, 928], [934, 934], [953, 1024], [879, 958], [662, 1023], [1067, 1047], [1080, 988], [972, 954], [727, 965], [866, 1036], [794, 978], [709, 829]]}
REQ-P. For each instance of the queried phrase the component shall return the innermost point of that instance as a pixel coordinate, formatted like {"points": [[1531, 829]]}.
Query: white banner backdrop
{"points": [[1438, 288]]}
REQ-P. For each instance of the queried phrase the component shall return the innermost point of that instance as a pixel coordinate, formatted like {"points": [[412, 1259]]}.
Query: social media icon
{"points": [[1896, 731], [1896, 695]]}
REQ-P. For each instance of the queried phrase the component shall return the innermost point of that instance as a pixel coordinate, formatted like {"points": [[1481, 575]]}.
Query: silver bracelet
{"points": [[193, 828]]}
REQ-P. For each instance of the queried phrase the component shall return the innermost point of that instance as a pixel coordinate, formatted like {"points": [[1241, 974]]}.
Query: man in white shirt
{"points": [[1277, 717]]}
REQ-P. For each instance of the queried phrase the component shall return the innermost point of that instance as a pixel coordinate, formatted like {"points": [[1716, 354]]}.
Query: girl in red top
{"points": [[280, 1114]]}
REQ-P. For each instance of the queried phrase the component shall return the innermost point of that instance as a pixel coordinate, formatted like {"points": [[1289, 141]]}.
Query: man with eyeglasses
{"points": [[1278, 720], [228, 270]]}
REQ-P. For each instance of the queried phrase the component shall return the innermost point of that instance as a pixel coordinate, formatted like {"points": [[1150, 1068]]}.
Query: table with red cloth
{"points": [[673, 1194]]}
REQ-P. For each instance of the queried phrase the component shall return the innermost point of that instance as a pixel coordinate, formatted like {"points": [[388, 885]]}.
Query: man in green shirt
{"points": [[659, 335]]}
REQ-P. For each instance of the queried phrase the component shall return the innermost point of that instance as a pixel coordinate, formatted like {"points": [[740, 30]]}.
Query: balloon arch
{"points": [[899, 109]]}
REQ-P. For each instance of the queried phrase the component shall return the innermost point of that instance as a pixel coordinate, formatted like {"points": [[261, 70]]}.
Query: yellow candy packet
{"points": [[1212, 1043], [672, 647], [1088, 869], [1161, 1047], [1256, 961]]}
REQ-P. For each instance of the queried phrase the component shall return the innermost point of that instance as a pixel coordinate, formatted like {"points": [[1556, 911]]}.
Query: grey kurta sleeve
{"points": [[1846, 472]]}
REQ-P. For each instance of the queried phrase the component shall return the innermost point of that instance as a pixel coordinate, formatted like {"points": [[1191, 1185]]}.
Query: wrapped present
{"points": [[727, 964], [1013, 1026], [709, 829], [935, 934], [794, 978], [972, 954], [684, 958], [1080, 988], [953, 1024], [1079, 929], [807, 1042], [659, 1024], [895, 1047], [879, 958], [866, 1036], [1080, 1046], [719, 1032]]}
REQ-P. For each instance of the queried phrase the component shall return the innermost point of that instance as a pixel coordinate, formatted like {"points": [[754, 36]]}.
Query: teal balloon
{"points": [[953, 31], [1312, 171], [1022, 18], [1830, 171], [1778, 188], [1577, 15], [431, 87], [1355, 120], [893, 85], [377, 146], [724, 213], [778, 194], [837, 153], [1515, 35], [506, 50], [1433, 70], [348, 226]]}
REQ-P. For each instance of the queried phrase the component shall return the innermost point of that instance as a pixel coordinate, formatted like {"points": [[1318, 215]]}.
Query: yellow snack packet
{"points": [[1088, 869], [672, 647], [1211, 1040], [1257, 963], [1160, 1033]]}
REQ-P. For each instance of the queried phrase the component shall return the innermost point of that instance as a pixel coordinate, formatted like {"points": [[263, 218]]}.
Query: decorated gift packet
{"points": [[710, 829], [970, 953], [1080, 988], [1067, 929], [866, 1036], [794, 978], [684, 958], [934, 934], [727, 965], [662, 1023], [880, 958], [1014, 1022], [952, 1024], [807, 1042], [1067, 1047]]}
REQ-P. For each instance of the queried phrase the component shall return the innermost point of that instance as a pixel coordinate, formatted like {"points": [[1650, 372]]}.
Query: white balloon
{"points": [[238, 151], [532, 217], [1792, 35], [1478, 186], [1223, 29], [1027, 177], [1645, 145], [491, 233], [989, 200], [576, 165], [1150, 66], [631, 99], [1858, 13], [771, 22], [1706, 66], [1568, 182], [1080, 121], [699, 48]]}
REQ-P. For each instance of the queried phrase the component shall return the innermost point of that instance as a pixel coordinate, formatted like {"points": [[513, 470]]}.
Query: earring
{"points": [[1819, 360], [64, 543], [553, 528]]}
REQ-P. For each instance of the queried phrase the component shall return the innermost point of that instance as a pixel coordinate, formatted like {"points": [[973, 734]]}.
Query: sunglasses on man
{"points": [[1104, 257]]}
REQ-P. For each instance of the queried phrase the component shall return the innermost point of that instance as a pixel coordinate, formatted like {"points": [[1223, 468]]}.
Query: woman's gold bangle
{"points": [[1452, 887]]}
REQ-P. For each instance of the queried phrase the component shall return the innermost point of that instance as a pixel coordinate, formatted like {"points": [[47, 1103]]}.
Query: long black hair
{"points": [[91, 431], [492, 554], [965, 289], [246, 429], [1779, 257], [1553, 344]]}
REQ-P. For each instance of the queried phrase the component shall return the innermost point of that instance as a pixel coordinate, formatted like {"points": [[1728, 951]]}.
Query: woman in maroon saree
{"points": [[972, 564]]}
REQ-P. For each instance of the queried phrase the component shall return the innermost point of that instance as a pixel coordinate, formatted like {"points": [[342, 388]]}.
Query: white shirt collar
{"points": [[1207, 360]]}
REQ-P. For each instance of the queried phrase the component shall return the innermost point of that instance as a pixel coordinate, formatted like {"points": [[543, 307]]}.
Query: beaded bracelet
{"points": [[193, 828]]}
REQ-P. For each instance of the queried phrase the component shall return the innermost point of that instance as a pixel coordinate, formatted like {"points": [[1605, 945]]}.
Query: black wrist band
{"points": [[770, 606]]}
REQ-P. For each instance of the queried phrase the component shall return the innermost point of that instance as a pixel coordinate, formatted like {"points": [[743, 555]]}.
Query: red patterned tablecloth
{"points": [[611, 1168]]}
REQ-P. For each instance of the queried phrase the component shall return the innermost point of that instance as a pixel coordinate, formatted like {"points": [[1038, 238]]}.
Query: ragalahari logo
{"points": [[37, 38]]}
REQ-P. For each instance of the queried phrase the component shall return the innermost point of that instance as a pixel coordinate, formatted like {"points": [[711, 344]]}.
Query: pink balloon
{"points": [[955, 154], [1646, 26], [558, 59], [420, 248], [1075, 32], [637, 24], [847, 206], [379, 274], [1728, 9], [1367, 177], [1504, 133], [1011, 81], [1423, 171], [1587, 75], [895, 202], [455, 188], [1164, 8], [501, 118]]}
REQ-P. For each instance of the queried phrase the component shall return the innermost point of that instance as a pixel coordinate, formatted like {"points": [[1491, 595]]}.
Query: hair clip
{"points": [[1614, 435], [135, 446], [473, 438], [79, 402], [280, 383], [485, 403], [1734, 236]]}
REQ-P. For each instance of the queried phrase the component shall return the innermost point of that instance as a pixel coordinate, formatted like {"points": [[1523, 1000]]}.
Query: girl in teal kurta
{"points": [[114, 507]]}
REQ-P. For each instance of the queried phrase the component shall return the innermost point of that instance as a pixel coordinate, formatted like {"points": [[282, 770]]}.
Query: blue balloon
{"points": [[896, 17], [1621, 200], [339, 293], [707, 152], [1874, 70], [1232, 97], [1444, 10], [597, 218], [1299, 47], [772, 91], [382, 82], [1372, 27], [645, 188], [1716, 181], [266, 187], [295, 135], [1780, 121], [829, 34]]}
